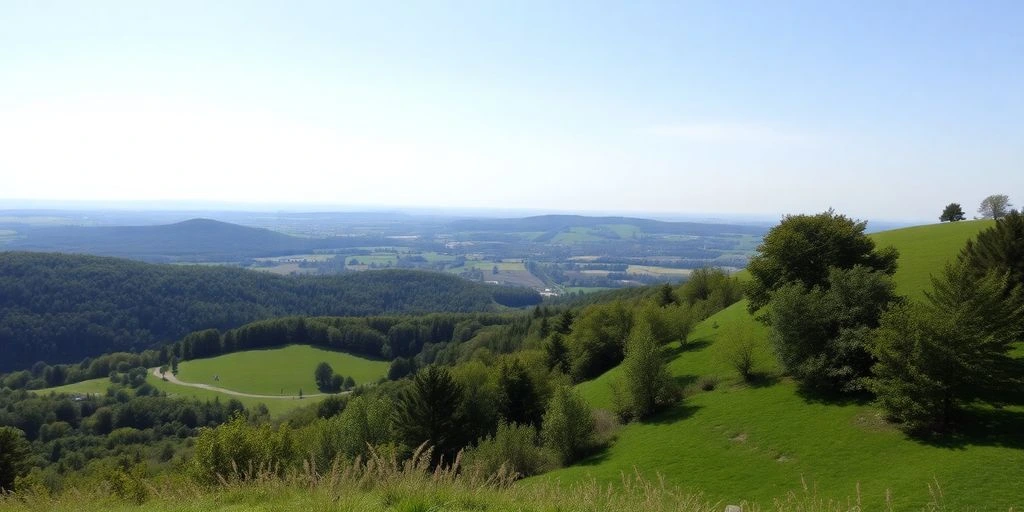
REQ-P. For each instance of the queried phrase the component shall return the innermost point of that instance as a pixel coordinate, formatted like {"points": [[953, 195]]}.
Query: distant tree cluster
{"points": [[837, 324], [329, 382], [995, 206], [62, 308]]}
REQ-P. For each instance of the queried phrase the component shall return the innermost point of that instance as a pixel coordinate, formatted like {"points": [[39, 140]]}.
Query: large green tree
{"points": [[323, 375], [802, 248], [14, 454], [999, 249], [519, 400], [935, 356], [427, 412], [821, 334]]}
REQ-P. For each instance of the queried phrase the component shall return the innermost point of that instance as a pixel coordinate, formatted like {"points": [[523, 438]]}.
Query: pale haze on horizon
{"points": [[877, 109]]}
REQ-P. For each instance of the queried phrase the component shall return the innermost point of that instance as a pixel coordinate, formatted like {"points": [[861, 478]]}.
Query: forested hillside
{"points": [[62, 308]]}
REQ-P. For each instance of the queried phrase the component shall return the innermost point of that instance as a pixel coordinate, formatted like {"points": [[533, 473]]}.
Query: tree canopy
{"points": [[995, 206], [953, 212], [803, 248], [935, 356]]}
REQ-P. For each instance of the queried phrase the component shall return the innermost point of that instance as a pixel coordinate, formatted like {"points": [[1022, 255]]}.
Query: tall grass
{"points": [[383, 482]]}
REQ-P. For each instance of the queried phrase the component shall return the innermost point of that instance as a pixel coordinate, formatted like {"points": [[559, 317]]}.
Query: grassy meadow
{"points": [[925, 249], [733, 440], [278, 371]]}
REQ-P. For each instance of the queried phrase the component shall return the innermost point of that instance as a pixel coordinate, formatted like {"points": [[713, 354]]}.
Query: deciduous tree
{"points": [[995, 206], [803, 248]]}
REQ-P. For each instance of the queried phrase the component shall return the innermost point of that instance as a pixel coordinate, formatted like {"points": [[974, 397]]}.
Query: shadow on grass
{"points": [[762, 380], [682, 381], [814, 395], [678, 412], [981, 426], [692, 346]]}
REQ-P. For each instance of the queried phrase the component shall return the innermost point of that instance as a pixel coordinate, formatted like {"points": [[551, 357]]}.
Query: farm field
{"points": [[86, 387], [277, 407], [659, 271], [278, 371], [759, 441]]}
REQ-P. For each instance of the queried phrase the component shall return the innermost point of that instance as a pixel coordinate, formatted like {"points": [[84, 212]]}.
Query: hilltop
{"points": [[757, 441]]}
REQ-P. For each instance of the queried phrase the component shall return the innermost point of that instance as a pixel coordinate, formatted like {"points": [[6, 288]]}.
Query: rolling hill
{"points": [[191, 240], [757, 442]]}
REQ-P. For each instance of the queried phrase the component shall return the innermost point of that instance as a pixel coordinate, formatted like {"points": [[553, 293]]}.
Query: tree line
{"points": [[61, 308]]}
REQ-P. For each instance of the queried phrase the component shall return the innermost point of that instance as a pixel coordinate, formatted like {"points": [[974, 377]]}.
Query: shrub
{"points": [[568, 426], [512, 446]]}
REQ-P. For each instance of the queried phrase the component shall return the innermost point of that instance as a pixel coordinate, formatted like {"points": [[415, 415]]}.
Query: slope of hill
{"points": [[191, 240], [925, 249], [62, 308], [759, 441]]}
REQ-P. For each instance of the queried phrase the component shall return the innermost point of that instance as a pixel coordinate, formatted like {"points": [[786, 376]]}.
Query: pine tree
{"points": [[519, 400], [14, 457], [935, 356], [952, 213], [426, 412]]}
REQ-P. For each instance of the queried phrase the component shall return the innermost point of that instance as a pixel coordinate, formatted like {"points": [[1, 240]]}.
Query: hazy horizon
{"points": [[750, 110]]}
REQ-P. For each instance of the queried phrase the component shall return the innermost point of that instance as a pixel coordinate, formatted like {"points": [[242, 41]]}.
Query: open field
{"points": [[757, 441], [86, 387], [925, 249], [277, 407], [659, 271], [278, 371]]}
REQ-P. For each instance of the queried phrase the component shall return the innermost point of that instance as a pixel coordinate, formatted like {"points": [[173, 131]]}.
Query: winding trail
{"points": [[173, 379]]}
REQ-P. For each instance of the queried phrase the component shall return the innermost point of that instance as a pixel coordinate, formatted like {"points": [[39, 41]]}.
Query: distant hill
{"points": [[191, 240], [62, 308], [561, 222]]}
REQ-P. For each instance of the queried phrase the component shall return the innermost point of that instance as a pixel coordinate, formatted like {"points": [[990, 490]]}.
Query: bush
{"points": [[512, 446], [237, 450], [568, 426], [646, 386], [740, 350]]}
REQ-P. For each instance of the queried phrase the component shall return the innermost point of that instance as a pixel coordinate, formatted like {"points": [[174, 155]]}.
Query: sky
{"points": [[879, 109]]}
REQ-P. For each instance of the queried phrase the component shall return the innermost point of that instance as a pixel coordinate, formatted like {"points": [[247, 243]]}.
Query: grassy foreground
{"points": [[757, 441], [379, 485]]}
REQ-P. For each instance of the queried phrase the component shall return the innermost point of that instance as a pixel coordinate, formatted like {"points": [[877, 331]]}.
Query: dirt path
{"points": [[173, 379]]}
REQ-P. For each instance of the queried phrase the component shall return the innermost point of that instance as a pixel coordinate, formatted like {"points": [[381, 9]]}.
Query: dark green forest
{"points": [[62, 308]]}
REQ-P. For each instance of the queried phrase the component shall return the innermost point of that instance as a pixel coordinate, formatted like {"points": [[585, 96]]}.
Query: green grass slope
{"points": [[925, 249], [759, 441], [278, 371]]}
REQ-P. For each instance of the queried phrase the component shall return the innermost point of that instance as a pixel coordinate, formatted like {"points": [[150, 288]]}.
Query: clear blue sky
{"points": [[879, 109]]}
